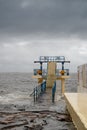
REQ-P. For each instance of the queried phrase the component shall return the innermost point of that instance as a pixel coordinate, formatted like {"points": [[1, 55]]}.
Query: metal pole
{"points": [[53, 91], [42, 88], [62, 86], [34, 94], [41, 67], [62, 65], [45, 85]]}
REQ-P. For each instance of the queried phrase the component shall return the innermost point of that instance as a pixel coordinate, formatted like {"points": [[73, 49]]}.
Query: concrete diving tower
{"points": [[51, 73]]}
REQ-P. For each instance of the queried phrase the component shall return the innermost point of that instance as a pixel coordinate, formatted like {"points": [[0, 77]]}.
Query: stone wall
{"points": [[82, 78]]}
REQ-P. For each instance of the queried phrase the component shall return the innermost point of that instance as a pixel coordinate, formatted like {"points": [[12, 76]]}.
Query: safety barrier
{"points": [[44, 72], [53, 91], [38, 90], [58, 72]]}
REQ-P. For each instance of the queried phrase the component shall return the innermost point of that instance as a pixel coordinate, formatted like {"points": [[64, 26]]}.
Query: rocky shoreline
{"points": [[34, 120]]}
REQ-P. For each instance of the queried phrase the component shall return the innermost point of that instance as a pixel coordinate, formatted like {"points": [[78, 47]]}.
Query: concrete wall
{"points": [[82, 78], [82, 89], [51, 74]]}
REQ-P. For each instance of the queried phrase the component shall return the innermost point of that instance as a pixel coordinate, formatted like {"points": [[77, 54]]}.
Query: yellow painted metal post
{"points": [[40, 80], [63, 85]]}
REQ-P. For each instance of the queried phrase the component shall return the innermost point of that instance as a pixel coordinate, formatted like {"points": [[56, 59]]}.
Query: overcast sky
{"points": [[33, 28]]}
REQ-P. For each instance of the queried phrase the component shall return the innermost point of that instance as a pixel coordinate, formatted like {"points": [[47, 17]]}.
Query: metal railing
{"points": [[44, 72], [52, 58], [58, 72], [38, 90]]}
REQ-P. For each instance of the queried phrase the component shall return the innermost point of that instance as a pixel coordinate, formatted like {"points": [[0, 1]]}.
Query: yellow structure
{"points": [[53, 73], [77, 102]]}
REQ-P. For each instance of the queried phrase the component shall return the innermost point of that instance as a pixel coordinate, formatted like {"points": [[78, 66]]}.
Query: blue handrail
{"points": [[38, 90], [53, 91]]}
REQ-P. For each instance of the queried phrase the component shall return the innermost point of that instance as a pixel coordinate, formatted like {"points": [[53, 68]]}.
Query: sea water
{"points": [[15, 90]]}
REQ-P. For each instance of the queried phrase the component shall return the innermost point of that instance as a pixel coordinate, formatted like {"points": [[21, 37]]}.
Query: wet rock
{"points": [[26, 128], [21, 109], [32, 120], [33, 127], [36, 120], [64, 118], [44, 122], [37, 127], [6, 122], [48, 116], [42, 115], [19, 123]]}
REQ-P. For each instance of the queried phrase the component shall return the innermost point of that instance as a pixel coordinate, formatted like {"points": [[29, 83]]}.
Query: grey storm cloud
{"points": [[56, 17], [30, 28]]}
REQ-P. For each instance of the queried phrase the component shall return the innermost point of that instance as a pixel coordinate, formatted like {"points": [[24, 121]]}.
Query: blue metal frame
{"points": [[52, 58], [53, 91], [44, 72], [38, 90]]}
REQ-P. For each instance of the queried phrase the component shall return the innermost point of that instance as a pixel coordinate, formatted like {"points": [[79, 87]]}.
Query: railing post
{"points": [[34, 95], [42, 88], [39, 90], [53, 91], [45, 85]]}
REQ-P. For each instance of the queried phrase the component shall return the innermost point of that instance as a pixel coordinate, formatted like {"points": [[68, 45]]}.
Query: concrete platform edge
{"points": [[75, 115]]}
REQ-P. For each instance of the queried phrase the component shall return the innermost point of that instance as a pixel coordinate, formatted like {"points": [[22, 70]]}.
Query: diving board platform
{"points": [[77, 107], [50, 74]]}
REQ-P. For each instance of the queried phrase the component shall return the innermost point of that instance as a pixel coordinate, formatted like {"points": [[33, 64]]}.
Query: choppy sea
{"points": [[15, 90]]}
